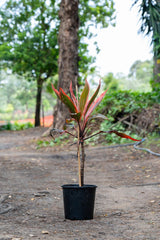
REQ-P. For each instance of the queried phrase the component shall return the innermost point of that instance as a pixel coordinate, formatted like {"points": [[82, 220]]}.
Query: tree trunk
{"points": [[156, 71], [68, 54], [38, 102], [156, 49]]}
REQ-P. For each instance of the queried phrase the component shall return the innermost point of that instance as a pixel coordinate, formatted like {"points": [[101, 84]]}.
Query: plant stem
{"points": [[82, 163], [79, 160]]}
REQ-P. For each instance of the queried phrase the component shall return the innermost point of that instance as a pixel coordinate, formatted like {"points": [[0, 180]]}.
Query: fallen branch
{"points": [[132, 125], [7, 210], [120, 120], [3, 199]]}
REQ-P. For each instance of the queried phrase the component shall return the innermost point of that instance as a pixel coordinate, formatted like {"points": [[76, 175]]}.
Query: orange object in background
{"points": [[46, 122]]}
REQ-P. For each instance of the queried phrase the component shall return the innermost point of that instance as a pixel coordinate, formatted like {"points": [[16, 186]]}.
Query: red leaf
{"points": [[95, 104], [56, 91], [72, 94], [67, 101], [92, 98], [123, 135]]}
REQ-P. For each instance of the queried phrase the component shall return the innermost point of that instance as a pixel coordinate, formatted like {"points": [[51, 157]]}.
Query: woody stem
{"points": [[79, 159]]}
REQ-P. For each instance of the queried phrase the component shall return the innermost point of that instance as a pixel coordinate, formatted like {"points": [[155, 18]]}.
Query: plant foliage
{"points": [[81, 110]]}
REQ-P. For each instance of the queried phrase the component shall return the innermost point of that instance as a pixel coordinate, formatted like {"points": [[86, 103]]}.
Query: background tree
{"points": [[18, 95], [15, 91], [140, 76], [138, 79], [141, 70], [150, 24], [110, 82], [28, 41], [76, 19]]}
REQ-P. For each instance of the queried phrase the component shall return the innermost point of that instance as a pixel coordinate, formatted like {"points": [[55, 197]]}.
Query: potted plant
{"points": [[79, 198]]}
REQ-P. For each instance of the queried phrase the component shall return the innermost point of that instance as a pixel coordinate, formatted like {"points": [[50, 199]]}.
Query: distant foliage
{"points": [[17, 97], [139, 78], [140, 75], [17, 126], [110, 82]]}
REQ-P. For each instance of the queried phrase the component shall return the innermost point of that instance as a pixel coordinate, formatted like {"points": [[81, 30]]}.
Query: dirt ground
{"points": [[127, 199]]}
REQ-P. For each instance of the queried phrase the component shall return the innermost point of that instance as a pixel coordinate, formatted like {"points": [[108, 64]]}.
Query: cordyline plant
{"points": [[81, 110]]}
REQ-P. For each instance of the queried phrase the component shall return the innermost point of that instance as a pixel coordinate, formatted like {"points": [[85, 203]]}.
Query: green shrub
{"points": [[120, 103], [17, 126], [127, 101], [112, 138]]}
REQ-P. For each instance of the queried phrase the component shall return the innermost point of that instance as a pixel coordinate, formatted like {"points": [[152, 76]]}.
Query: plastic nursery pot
{"points": [[78, 201]]}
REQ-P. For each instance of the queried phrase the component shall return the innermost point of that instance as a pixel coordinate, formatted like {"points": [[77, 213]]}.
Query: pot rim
{"points": [[73, 186]]}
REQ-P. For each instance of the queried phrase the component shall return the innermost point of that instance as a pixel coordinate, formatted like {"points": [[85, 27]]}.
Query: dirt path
{"points": [[127, 199]]}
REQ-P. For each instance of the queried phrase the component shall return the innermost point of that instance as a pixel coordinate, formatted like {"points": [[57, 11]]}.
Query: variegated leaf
{"points": [[84, 97]]}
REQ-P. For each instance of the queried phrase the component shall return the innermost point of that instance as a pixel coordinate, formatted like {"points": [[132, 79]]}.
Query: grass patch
{"points": [[61, 140], [17, 126]]}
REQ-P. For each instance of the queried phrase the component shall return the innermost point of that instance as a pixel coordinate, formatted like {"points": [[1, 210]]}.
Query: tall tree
{"points": [[68, 53], [76, 19], [150, 24], [28, 41]]}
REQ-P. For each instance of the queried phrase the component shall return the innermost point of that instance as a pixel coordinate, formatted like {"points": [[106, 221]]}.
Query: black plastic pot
{"points": [[79, 201]]}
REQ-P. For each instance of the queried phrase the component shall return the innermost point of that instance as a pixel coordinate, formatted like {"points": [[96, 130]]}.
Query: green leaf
{"points": [[84, 97], [93, 97], [67, 101], [95, 104], [72, 94]]}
